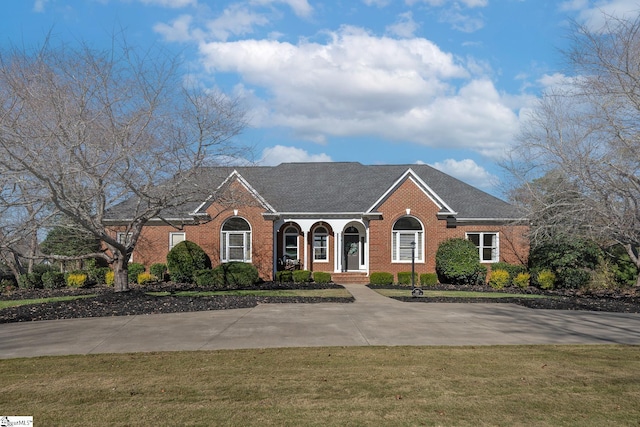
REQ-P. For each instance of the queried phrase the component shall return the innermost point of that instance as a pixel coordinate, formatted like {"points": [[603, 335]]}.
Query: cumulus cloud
{"points": [[273, 156], [174, 4], [468, 171], [177, 31], [236, 20], [594, 16], [405, 26], [301, 8], [357, 84]]}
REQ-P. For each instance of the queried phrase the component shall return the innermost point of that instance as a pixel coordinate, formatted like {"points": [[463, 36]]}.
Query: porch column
{"points": [[305, 251]]}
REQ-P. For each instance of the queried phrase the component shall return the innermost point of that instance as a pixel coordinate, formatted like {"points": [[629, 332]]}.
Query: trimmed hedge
{"points": [[301, 276], [284, 276], [235, 275], [321, 277], [457, 263], [404, 278], [158, 270], [185, 259], [428, 279], [499, 279], [381, 278]]}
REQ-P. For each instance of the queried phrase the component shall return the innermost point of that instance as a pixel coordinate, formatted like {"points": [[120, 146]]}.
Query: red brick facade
{"points": [[408, 199]]}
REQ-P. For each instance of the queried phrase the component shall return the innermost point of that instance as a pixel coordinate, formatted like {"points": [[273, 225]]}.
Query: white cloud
{"points": [[467, 3], [357, 84], [174, 4], [235, 20], [39, 5], [178, 31], [595, 16], [468, 171], [301, 8], [404, 27], [273, 156]]}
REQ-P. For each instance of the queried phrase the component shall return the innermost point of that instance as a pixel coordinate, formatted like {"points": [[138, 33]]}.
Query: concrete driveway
{"points": [[371, 320]]}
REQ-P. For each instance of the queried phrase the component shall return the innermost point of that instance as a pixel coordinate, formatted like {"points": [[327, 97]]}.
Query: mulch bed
{"points": [[615, 301], [137, 302]]}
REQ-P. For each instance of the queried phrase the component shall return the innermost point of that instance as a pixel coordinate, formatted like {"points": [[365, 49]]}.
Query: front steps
{"points": [[350, 278]]}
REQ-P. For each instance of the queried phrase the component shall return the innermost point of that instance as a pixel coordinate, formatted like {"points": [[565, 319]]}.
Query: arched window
{"points": [[407, 230], [236, 240], [320, 245], [291, 243]]}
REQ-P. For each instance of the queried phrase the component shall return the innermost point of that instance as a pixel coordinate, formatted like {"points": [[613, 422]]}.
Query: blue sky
{"points": [[441, 82]]}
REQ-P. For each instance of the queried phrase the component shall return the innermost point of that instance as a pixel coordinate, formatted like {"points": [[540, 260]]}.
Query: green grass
{"points": [[355, 386], [322, 293], [454, 294], [13, 303]]}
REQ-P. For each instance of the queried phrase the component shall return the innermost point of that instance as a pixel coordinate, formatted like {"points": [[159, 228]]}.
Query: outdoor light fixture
{"points": [[414, 291]]}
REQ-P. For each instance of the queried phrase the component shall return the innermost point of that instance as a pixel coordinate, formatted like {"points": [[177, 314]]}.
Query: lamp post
{"points": [[414, 291]]}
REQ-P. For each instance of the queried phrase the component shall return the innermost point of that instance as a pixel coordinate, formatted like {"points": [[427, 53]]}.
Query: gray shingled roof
{"points": [[336, 187]]}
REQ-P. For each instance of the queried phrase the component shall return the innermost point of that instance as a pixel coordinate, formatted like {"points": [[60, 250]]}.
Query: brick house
{"points": [[347, 219]]}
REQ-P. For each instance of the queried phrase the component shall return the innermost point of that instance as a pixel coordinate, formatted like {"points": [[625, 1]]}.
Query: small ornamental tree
{"points": [[185, 259], [457, 262]]}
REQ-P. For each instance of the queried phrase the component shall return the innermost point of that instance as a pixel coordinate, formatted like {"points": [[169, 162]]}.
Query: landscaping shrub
{"points": [[499, 279], [321, 277], [381, 278], [512, 269], [546, 279], [301, 276], [457, 263], [134, 269], [76, 279], [624, 270], [404, 278], [428, 279], [97, 275], [109, 277], [207, 278], [7, 285], [571, 260], [53, 280], [235, 275], [30, 281], [185, 259], [146, 278], [522, 280], [158, 270], [285, 276]]}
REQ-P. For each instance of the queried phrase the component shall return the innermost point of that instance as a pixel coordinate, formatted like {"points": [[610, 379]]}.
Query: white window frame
{"points": [[400, 243], [288, 233], [124, 238], [172, 242], [324, 234], [495, 249], [226, 245]]}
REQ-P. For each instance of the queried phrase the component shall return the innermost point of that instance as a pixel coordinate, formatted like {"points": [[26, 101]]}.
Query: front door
{"points": [[352, 252]]}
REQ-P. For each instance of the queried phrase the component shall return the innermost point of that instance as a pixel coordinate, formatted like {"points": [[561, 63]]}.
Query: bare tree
{"points": [[584, 140], [90, 129]]}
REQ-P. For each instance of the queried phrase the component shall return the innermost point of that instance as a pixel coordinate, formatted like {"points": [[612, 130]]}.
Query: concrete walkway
{"points": [[371, 320]]}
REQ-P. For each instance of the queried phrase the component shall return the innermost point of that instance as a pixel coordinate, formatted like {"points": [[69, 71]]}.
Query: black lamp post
{"points": [[414, 291]]}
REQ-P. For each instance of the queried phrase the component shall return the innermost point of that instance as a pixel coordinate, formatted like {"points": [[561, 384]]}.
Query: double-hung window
{"points": [[320, 247], [407, 235], [236, 240], [175, 238], [487, 244]]}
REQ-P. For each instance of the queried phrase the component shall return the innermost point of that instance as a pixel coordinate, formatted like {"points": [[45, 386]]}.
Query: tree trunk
{"points": [[121, 275]]}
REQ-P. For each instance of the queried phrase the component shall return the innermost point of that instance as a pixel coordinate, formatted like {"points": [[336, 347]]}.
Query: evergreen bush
{"points": [[158, 270], [428, 279], [53, 280], [321, 277], [109, 277], [499, 279], [284, 276], [522, 280], [134, 269], [457, 263], [145, 278], [301, 276], [207, 278], [235, 275], [76, 279], [381, 278], [546, 279], [404, 278], [30, 281], [185, 259], [571, 260]]}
